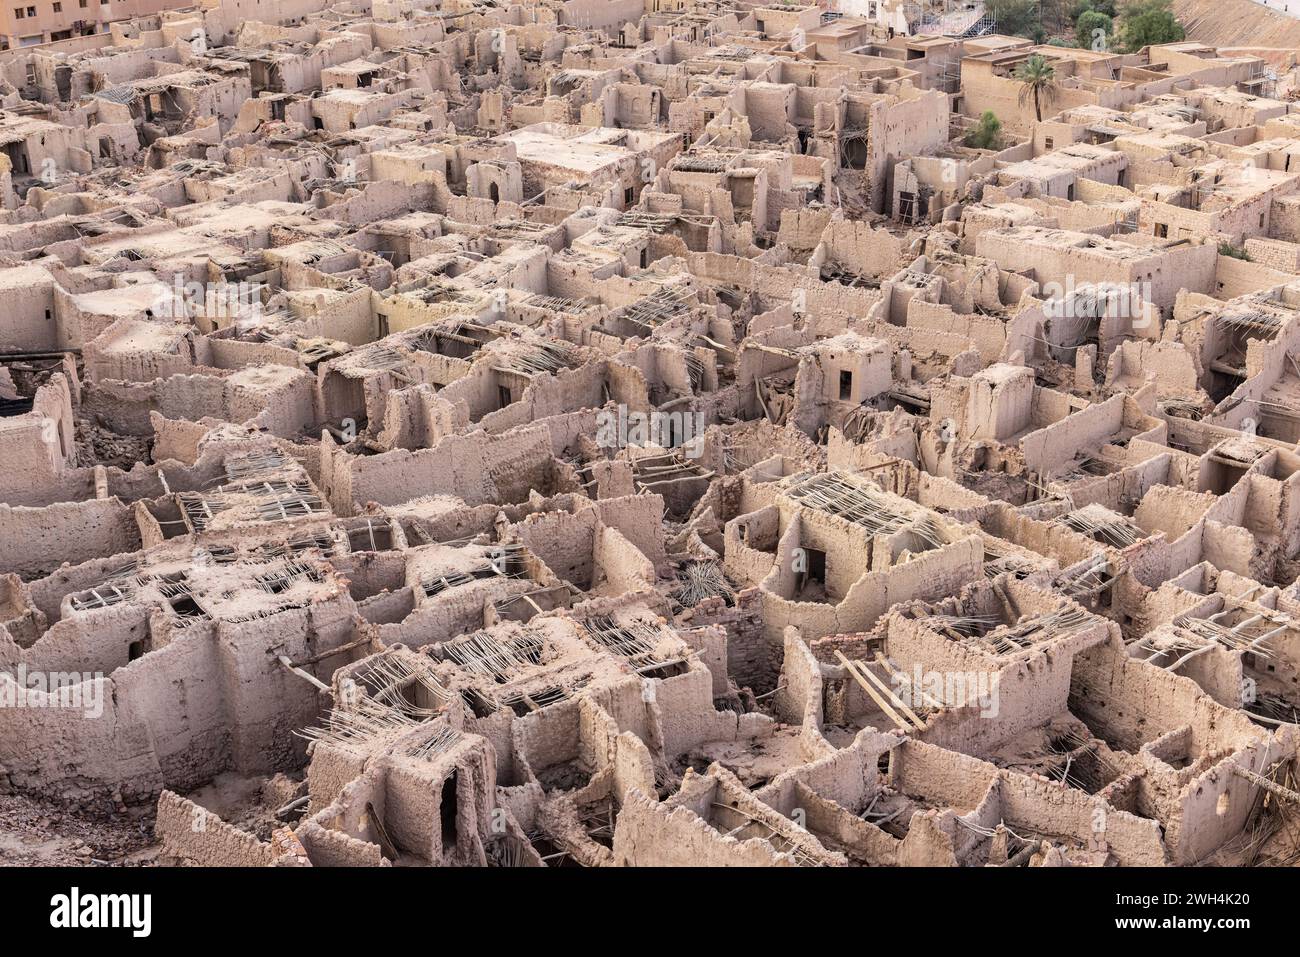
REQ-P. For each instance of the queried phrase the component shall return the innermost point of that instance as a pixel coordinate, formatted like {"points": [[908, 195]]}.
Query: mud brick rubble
{"points": [[645, 432]]}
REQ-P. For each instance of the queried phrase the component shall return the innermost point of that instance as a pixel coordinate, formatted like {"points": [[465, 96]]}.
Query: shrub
{"points": [[987, 134], [1146, 22]]}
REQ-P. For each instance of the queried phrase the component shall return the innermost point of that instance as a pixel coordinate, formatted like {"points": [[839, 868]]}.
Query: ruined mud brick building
{"points": [[625, 433]]}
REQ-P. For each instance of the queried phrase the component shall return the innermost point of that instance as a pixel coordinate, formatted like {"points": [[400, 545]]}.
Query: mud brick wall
{"points": [[752, 660]]}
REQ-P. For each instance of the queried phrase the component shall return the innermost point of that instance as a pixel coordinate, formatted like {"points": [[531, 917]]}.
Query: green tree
{"points": [[1144, 23], [1100, 6], [987, 134], [1092, 30], [1017, 18], [1038, 83]]}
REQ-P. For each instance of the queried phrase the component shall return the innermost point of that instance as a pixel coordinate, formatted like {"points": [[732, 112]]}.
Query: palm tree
{"points": [[1039, 81]]}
